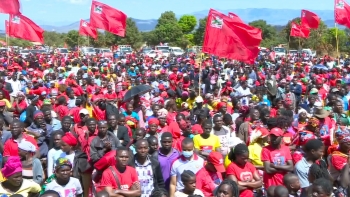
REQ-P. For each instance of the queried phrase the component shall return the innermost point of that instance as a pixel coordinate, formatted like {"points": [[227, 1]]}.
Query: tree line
{"points": [[187, 31]]}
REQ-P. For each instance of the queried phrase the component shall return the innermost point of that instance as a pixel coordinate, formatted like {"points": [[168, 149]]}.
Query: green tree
{"points": [[53, 38], [269, 33], [73, 39], [198, 35], [19, 42], [132, 37], [187, 23], [330, 37], [167, 30], [166, 18]]}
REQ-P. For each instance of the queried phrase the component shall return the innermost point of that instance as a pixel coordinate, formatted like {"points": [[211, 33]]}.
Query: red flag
{"points": [[7, 29], [24, 28], [10, 7], [309, 19], [85, 29], [235, 18], [342, 13], [107, 18], [226, 38], [297, 30]]}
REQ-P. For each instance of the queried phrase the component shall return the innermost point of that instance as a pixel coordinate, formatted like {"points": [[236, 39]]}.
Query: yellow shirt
{"points": [[255, 154], [209, 144], [8, 104], [26, 188], [190, 103]]}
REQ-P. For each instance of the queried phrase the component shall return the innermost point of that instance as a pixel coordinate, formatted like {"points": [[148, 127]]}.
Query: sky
{"points": [[64, 12]]}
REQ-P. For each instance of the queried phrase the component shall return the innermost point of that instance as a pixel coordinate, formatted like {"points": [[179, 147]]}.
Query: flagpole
{"points": [[8, 40], [336, 40]]}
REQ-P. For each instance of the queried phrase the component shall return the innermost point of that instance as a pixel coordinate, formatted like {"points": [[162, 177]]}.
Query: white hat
{"points": [[84, 111], [199, 99]]}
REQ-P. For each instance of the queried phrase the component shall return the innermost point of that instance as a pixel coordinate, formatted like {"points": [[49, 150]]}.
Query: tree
{"points": [[187, 23], [53, 38], [73, 39], [198, 35], [166, 18], [167, 30], [132, 37], [269, 33]]}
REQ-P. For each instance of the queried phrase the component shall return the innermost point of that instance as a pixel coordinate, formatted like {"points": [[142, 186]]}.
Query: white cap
{"points": [[199, 99], [84, 111]]}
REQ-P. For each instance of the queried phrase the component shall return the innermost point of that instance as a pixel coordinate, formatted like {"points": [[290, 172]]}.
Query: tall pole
{"points": [[336, 40]]}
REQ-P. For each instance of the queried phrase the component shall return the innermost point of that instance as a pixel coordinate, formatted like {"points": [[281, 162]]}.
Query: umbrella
{"points": [[319, 66], [136, 90]]}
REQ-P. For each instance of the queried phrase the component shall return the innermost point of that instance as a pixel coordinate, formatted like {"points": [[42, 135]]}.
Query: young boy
{"points": [[291, 181], [281, 191]]}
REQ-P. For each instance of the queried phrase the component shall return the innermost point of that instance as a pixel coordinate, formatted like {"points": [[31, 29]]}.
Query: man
{"points": [[206, 142], [15, 85], [55, 124], [209, 177], [121, 180], [223, 133], [118, 130], [277, 159], [104, 142], [296, 89], [41, 133], [146, 167], [99, 108], [198, 109], [155, 108], [11, 145], [80, 129], [187, 161]]}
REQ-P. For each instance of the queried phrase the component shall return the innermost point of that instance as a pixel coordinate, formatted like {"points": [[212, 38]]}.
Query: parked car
{"points": [[24, 52], [63, 51], [176, 51], [88, 51]]}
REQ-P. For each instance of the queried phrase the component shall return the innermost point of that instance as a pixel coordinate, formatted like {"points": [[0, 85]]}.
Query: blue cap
{"points": [[84, 67]]}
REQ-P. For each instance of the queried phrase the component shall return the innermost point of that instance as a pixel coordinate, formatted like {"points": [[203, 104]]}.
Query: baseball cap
{"points": [[313, 91], [277, 132], [199, 99], [216, 159], [84, 111]]}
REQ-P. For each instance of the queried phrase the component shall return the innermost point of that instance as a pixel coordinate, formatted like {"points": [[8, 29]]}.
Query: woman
{"points": [[131, 117], [32, 168], [242, 172], [56, 150], [258, 141], [15, 184], [246, 128], [188, 179], [227, 188], [63, 183], [322, 188], [19, 105]]}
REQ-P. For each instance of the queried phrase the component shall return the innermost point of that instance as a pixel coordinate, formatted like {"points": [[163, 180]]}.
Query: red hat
{"points": [[161, 87], [216, 159], [277, 132], [264, 132]]}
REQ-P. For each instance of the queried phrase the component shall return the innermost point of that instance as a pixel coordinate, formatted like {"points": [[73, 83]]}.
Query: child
{"points": [[281, 191], [291, 181], [270, 192], [139, 134]]}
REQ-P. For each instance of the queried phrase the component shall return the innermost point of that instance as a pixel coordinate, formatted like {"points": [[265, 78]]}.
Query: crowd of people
{"points": [[206, 126]]}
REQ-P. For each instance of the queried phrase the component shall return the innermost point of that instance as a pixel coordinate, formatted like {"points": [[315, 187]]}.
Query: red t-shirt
{"points": [[11, 147], [112, 95], [75, 113], [126, 179], [23, 105], [207, 181], [243, 174], [277, 157]]}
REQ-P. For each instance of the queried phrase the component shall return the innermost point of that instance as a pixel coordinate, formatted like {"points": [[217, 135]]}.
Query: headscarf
{"points": [[153, 121], [313, 122], [306, 137], [162, 113], [63, 162], [220, 105], [70, 139], [27, 146], [38, 113], [342, 136], [12, 166]]}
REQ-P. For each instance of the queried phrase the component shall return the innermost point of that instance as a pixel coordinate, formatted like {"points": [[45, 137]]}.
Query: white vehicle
{"points": [[158, 53], [63, 51], [176, 51], [309, 52], [24, 52], [279, 51], [88, 51], [124, 49], [166, 53], [162, 48]]}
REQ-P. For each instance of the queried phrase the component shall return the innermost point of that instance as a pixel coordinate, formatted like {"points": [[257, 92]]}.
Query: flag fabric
{"points": [[24, 28], [226, 38], [342, 13], [10, 6], [7, 29], [104, 17], [309, 19], [297, 30], [235, 18], [85, 29]]}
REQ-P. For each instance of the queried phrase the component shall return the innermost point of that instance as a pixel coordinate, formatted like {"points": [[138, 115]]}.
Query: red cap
{"points": [[277, 132], [216, 159], [264, 132]]}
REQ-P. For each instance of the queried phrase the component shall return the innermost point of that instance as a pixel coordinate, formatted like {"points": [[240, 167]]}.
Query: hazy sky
{"points": [[59, 12]]}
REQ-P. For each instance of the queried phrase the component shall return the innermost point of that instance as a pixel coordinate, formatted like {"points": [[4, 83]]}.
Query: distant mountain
{"points": [[276, 17]]}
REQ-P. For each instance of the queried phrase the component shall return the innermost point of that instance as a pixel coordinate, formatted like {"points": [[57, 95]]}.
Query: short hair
{"points": [[159, 192], [91, 120], [288, 178], [319, 170], [45, 109], [141, 141], [325, 184], [232, 184], [151, 138], [187, 175], [281, 191], [49, 192], [165, 135], [187, 141], [15, 121], [313, 144], [67, 118]]}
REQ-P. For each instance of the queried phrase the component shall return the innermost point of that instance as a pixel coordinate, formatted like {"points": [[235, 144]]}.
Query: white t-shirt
{"points": [[241, 92], [63, 155], [72, 188]]}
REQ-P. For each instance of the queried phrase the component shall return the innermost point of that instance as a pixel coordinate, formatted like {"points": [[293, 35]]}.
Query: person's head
{"points": [[84, 115], [102, 127], [142, 148], [218, 121], [343, 139], [276, 135], [122, 157], [166, 141], [215, 162], [207, 127], [153, 124], [281, 191], [50, 193], [68, 142], [16, 128], [187, 147], [239, 155], [155, 108], [227, 188], [139, 134], [66, 123], [38, 117], [322, 188], [63, 169], [254, 114], [159, 192], [291, 181], [102, 194], [153, 144], [112, 121], [270, 192], [26, 149], [12, 171], [314, 149], [188, 179], [47, 114], [57, 139], [317, 171], [129, 107]]}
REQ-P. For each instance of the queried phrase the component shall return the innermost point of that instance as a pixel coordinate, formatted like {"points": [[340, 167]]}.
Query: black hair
{"points": [[227, 118], [141, 141], [159, 192], [284, 122], [16, 195], [61, 100], [207, 122], [187, 175], [194, 195], [271, 123], [122, 148], [91, 119], [45, 109], [79, 100], [51, 192], [187, 141], [154, 105], [165, 135], [281, 191], [319, 170], [67, 118], [325, 184], [232, 184], [102, 194], [288, 178], [239, 149], [313, 144], [180, 115], [61, 133], [151, 138]]}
